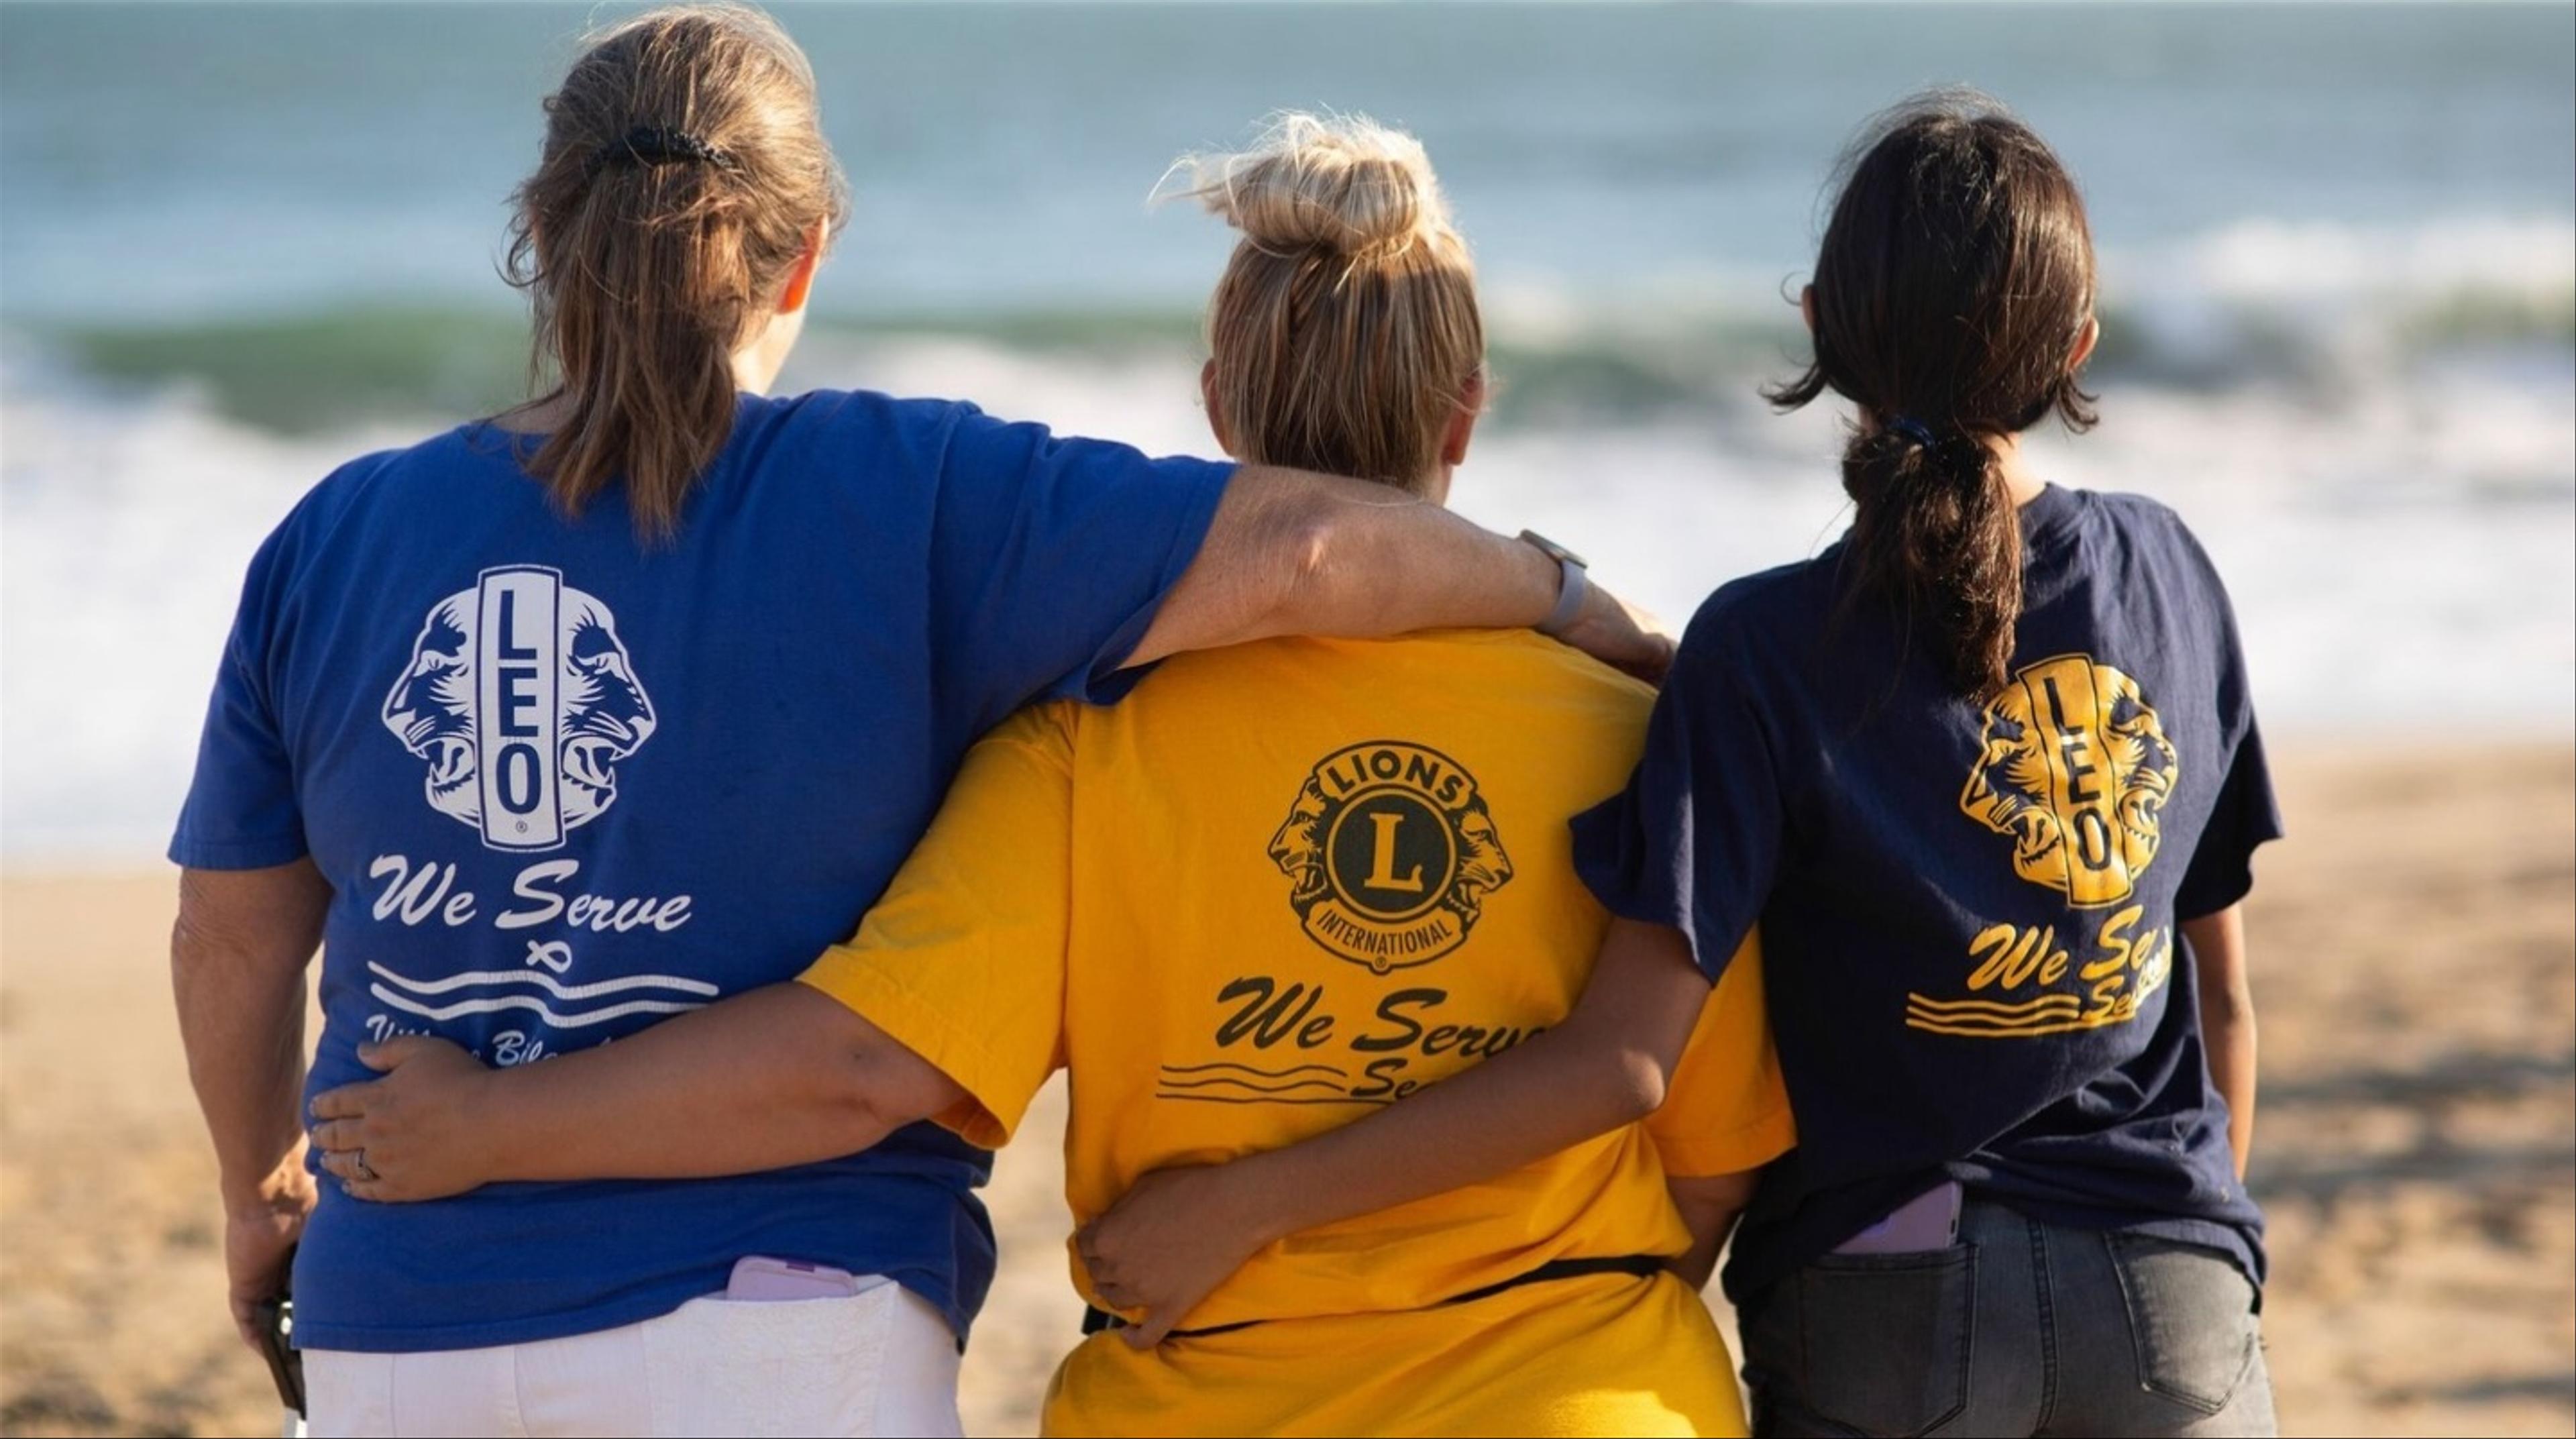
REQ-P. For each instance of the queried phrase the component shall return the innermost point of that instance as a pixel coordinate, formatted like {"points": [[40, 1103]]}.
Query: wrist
{"points": [[1253, 1202], [505, 1147], [285, 1187], [1574, 590]]}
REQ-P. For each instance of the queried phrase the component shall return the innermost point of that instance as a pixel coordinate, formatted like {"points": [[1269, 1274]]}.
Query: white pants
{"points": [[878, 1363]]}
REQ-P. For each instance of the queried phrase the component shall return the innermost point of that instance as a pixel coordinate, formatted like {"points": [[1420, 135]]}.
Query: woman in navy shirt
{"points": [[553, 726], [1986, 772]]}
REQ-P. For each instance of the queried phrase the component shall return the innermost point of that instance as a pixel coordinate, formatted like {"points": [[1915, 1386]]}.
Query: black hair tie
{"points": [[649, 145], [1914, 432]]}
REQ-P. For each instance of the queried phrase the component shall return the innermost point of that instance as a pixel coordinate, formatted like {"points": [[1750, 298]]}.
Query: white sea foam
{"points": [[2398, 542]]}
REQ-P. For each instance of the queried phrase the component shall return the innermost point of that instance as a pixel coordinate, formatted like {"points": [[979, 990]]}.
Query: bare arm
{"points": [[1710, 1205], [773, 1077], [237, 959], [2227, 1019], [1292, 553], [1178, 1233]]}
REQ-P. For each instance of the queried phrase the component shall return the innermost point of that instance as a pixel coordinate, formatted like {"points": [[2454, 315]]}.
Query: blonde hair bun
{"points": [[1342, 183]]}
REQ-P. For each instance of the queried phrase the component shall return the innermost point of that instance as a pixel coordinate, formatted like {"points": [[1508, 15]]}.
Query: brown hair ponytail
{"points": [[1954, 282], [684, 172]]}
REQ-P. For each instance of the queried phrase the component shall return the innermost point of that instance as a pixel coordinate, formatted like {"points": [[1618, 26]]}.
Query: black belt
{"points": [[1643, 1266]]}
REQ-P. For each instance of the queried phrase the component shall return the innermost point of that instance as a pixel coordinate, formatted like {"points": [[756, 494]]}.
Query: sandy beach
{"points": [[2416, 1150]]}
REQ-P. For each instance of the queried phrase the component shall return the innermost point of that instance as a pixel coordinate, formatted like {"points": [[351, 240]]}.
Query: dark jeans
{"points": [[2023, 1328]]}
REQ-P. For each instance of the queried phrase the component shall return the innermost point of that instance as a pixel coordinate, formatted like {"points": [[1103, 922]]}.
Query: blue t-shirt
{"points": [[1969, 911], [564, 785]]}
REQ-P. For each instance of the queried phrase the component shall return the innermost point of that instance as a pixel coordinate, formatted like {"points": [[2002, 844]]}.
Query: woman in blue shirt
{"points": [[554, 725], [1986, 772]]}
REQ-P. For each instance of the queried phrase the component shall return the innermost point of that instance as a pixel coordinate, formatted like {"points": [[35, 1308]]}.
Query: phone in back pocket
{"points": [[1927, 1222], [757, 1279]]}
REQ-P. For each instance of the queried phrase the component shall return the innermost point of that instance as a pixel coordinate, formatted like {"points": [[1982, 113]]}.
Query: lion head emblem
{"points": [[1390, 854], [2075, 769], [549, 658]]}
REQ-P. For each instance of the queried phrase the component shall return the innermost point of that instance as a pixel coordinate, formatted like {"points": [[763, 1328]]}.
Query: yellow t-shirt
{"points": [[1282, 885]]}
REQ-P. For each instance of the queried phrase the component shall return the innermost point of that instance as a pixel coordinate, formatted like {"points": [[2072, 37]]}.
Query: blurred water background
{"points": [[242, 242]]}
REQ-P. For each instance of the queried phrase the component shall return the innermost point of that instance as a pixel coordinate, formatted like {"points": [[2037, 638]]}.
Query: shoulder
{"points": [[1761, 611], [2150, 526], [353, 491], [856, 416]]}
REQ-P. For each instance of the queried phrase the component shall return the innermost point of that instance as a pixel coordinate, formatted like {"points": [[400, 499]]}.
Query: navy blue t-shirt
{"points": [[564, 786], [1970, 912]]}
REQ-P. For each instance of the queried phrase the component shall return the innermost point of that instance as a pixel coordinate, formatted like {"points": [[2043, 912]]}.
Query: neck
{"points": [[753, 373], [754, 370], [2019, 481]]}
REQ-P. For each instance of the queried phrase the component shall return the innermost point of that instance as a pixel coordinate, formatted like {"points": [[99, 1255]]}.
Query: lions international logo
{"points": [[522, 700], [1392, 853], [2077, 770]]}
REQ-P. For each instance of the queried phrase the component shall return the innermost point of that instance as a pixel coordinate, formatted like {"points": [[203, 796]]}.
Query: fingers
{"points": [[333, 1134], [349, 1101], [344, 1165], [1155, 1329], [392, 1053]]}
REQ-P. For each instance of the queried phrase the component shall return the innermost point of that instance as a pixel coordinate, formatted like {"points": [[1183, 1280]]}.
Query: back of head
{"points": [[1345, 332], [1951, 293], [683, 175]]}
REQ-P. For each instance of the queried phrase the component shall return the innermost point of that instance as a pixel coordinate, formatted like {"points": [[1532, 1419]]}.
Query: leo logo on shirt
{"points": [[522, 700], [2076, 770], [1392, 853]]}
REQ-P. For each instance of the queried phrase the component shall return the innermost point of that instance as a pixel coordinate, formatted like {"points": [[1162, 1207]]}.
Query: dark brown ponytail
{"points": [[1955, 280], [684, 172]]}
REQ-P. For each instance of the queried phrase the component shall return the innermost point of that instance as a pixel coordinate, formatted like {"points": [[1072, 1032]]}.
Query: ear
{"points": [[1807, 306], [2085, 340], [1215, 411], [1462, 423], [800, 278]]}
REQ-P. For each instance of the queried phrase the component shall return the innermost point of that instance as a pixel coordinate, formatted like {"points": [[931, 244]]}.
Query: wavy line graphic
{"points": [[2005, 1018], [558, 988], [2040, 1002], [2026, 1031], [535, 1006], [1276, 1099], [1252, 1069], [1974, 1010], [1227, 1079]]}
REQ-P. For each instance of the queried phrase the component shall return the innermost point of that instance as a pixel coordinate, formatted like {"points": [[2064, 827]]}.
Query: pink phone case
{"points": [[1926, 1222], [759, 1279]]}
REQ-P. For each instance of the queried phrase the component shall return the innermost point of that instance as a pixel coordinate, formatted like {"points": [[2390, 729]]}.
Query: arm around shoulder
{"points": [[1293, 553]]}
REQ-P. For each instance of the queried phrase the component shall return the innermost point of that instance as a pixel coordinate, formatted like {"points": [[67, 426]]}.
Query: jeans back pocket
{"points": [[2191, 1318], [1885, 1339]]}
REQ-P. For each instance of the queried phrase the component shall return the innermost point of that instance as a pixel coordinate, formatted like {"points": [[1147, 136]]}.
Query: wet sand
{"points": [[2415, 951]]}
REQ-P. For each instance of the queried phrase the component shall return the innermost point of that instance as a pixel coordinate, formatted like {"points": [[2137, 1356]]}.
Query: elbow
{"points": [[850, 1117], [1311, 542], [1633, 1087]]}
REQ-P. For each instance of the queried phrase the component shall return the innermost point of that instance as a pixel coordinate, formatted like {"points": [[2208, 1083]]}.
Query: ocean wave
{"points": [[2257, 303], [2392, 511]]}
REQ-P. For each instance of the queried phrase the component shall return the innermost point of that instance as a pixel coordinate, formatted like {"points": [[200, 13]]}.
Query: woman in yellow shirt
{"points": [[1278, 888]]}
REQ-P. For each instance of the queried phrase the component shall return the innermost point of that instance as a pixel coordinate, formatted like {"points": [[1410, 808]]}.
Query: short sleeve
{"points": [[1727, 1109], [1694, 840], [241, 810], [963, 960], [1050, 557], [2245, 816]]}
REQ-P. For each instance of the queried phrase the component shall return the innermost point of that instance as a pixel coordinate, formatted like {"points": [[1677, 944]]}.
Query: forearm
{"points": [[1292, 553], [1551, 1092], [2227, 1022], [237, 959], [772, 1078], [1709, 1207], [1377, 563]]}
